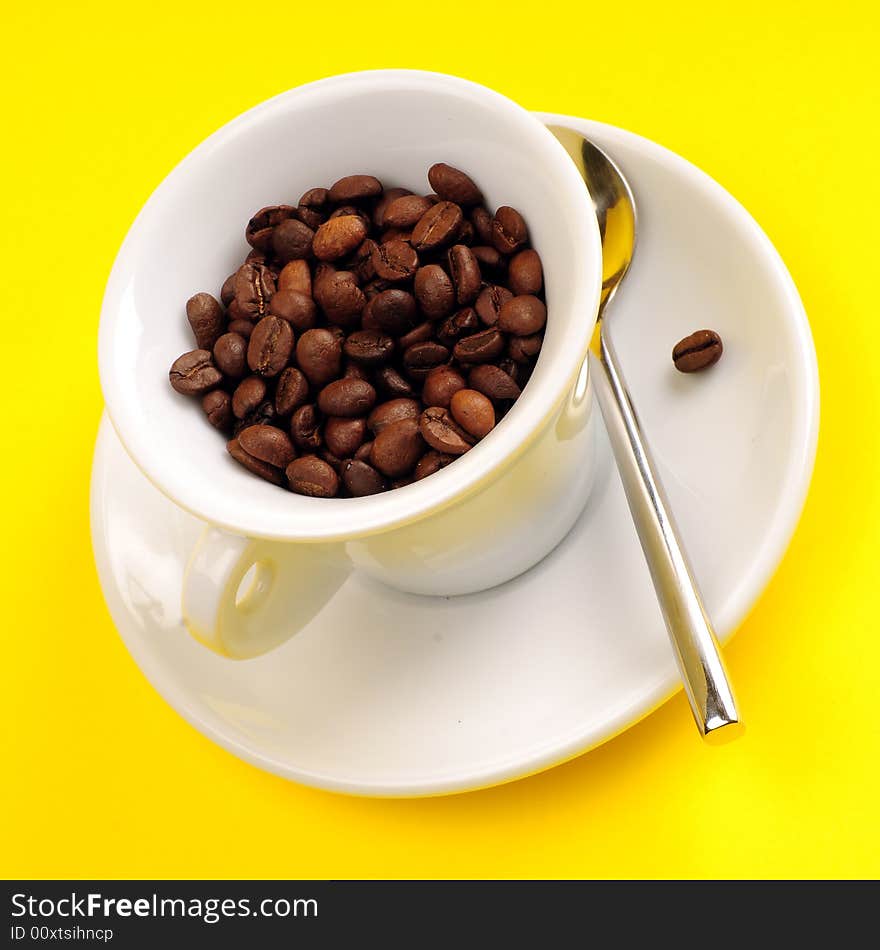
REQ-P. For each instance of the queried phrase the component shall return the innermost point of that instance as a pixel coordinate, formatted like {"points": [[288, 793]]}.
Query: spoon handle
{"points": [[696, 647]]}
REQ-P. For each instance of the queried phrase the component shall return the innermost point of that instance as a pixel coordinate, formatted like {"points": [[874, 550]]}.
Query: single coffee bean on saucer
{"points": [[696, 352]]}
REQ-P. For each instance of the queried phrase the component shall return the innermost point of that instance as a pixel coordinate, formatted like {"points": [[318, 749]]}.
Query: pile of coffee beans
{"points": [[371, 336]]}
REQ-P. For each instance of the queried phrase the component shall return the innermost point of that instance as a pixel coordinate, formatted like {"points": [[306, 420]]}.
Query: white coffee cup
{"points": [[494, 512]]}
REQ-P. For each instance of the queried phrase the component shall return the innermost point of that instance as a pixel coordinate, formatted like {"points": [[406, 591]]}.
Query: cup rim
{"points": [[347, 518]]}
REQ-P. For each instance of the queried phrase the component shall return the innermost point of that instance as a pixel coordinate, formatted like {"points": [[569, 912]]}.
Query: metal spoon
{"points": [[696, 647]]}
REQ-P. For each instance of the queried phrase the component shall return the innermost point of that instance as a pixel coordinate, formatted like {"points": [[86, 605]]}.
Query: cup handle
{"points": [[243, 597]]}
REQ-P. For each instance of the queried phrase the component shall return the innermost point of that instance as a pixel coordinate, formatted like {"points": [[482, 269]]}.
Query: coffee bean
{"points": [[310, 217], [340, 298], [509, 232], [294, 307], [305, 427], [235, 313], [465, 273], [355, 188], [310, 475], [474, 412], [430, 463], [421, 358], [361, 479], [270, 346], [205, 316], [247, 396], [227, 291], [493, 382], [338, 237], [394, 260], [440, 386], [396, 234], [268, 444], [394, 311], [376, 287], [526, 275], [437, 227], [698, 351], [466, 234], [405, 212], [194, 373], [457, 326], [490, 261], [479, 347], [258, 232], [522, 316], [217, 406], [242, 327], [419, 334], [254, 286], [397, 448], [344, 436], [442, 433], [296, 275], [521, 349], [391, 383], [369, 346], [363, 453], [434, 291], [355, 370], [292, 391], [264, 414], [347, 397], [292, 241], [332, 460], [230, 355], [490, 302], [323, 272], [319, 356], [514, 370], [315, 198], [368, 321], [481, 219], [361, 262], [389, 196], [350, 211], [392, 411], [451, 184], [252, 464]]}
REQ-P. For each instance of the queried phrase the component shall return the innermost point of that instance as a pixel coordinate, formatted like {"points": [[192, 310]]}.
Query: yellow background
{"points": [[778, 101]]}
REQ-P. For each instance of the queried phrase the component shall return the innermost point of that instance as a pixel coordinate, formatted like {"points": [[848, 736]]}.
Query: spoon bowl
{"points": [[614, 203]]}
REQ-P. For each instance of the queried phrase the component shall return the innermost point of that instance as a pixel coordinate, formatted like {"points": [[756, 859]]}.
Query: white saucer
{"points": [[391, 694]]}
